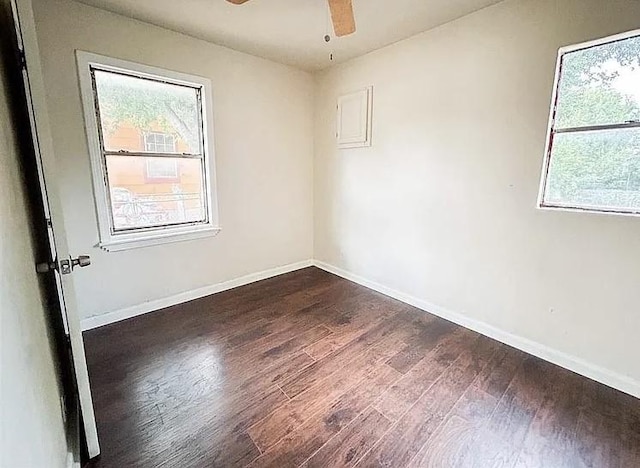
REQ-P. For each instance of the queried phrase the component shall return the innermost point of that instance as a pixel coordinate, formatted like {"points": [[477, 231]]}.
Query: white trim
{"points": [[142, 238], [550, 123], [601, 41], [612, 379], [151, 306], [164, 237], [592, 211]]}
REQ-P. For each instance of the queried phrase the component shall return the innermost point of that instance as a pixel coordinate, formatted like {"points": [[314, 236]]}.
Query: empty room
{"points": [[320, 233]]}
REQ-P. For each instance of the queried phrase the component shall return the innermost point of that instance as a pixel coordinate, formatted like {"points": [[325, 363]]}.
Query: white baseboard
{"points": [[150, 306], [612, 379]]}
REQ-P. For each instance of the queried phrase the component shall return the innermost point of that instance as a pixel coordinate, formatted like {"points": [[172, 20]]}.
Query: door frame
{"points": [[44, 154]]}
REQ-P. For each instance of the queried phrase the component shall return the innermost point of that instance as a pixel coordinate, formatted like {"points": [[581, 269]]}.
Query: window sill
{"points": [[137, 241], [587, 209]]}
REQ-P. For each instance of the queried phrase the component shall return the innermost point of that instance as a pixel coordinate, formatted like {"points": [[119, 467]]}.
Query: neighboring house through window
{"points": [[593, 146], [151, 152]]}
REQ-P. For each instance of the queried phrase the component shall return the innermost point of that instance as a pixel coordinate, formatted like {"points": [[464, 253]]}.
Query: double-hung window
{"points": [[592, 161], [150, 142]]}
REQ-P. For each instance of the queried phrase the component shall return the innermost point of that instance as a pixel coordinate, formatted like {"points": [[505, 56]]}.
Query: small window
{"points": [[151, 152], [156, 142], [593, 148], [162, 168]]}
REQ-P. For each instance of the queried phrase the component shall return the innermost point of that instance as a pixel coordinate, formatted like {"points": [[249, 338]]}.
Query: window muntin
{"points": [[593, 157]]}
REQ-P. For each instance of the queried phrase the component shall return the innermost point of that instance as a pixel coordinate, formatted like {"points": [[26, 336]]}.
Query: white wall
{"points": [[31, 428], [442, 207], [263, 125]]}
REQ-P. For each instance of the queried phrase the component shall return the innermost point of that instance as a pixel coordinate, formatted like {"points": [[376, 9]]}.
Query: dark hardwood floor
{"points": [[310, 370]]}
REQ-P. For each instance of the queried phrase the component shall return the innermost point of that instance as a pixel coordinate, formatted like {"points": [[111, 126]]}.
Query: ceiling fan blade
{"points": [[237, 2], [344, 22]]}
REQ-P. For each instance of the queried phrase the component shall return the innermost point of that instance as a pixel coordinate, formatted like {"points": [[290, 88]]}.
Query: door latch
{"points": [[64, 266]]}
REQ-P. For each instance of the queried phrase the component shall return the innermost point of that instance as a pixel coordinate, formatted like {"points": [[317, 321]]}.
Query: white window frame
{"points": [[109, 239], [552, 131]]}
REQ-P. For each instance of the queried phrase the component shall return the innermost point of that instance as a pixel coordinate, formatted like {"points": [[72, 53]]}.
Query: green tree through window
{"points": [[595, 146]]}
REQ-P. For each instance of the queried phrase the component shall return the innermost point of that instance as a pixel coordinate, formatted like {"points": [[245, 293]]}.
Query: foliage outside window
{"points": [[150, 150], [593, 151]]}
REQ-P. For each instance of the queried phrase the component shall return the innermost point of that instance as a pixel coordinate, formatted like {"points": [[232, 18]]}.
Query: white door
{"points": [[60, 263]]}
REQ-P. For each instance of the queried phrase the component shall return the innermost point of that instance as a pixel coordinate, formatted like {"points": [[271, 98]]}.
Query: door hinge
{"points": [[23, 59]]}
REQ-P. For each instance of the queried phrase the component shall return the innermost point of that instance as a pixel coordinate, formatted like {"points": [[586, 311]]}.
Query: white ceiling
{"points": [[292, 31]]}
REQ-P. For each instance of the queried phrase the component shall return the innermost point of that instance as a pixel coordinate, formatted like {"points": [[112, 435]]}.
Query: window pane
{"points": [[595, 169], [600, 85], [142, 199], [143, 115]]}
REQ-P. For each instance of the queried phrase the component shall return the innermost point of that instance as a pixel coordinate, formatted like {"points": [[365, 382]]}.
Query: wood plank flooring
{"points": [[307, 369]]}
